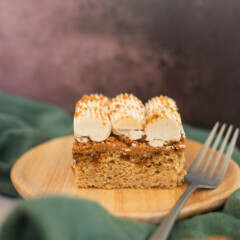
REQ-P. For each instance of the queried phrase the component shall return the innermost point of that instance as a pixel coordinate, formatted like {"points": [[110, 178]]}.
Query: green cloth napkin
{"points": [[62, 218], [24, 124]]}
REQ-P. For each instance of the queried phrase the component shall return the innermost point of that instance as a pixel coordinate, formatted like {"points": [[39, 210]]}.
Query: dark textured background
{"points": [[56, 51]]}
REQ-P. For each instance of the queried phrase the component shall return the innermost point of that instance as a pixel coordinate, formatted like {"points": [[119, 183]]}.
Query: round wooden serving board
{"points": [[46, 170]]}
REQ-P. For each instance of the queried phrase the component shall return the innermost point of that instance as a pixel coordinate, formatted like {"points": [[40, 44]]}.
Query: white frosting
{"points": [[182, 146], [96, 117], [132, 134], [127, 114], [163, 121], [182, 131], [163, 129], [156, 143], [92, 127], [91, 118]]}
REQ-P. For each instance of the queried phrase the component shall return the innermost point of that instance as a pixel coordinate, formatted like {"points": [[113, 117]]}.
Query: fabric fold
{"points": [[65, 218], [24, 124]]}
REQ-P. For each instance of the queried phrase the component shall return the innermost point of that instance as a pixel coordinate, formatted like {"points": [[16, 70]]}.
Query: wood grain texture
{"points": [[46, 170]]}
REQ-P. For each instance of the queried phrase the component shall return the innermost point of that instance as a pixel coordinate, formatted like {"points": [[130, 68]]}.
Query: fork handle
{"points": [[165, 227]]}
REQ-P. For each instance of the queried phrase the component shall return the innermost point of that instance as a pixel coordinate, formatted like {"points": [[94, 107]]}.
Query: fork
{"points": [[201, 178]]}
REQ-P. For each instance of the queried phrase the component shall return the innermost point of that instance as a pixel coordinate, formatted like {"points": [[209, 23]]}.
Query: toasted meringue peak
{"points": [[163, 121], [160, 106], [96, 116], [91, 118], [127, 114]]}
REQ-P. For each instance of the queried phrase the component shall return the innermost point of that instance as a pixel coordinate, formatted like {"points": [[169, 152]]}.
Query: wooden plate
{"points": [[46, 169]]}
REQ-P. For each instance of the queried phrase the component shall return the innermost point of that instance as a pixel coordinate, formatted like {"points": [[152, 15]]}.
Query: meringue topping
{"points": [[91, 118], [127, 114], [163, 122], [157, 122]]}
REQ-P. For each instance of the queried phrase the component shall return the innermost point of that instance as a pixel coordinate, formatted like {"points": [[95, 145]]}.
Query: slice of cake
{"points": [[120, 143]]}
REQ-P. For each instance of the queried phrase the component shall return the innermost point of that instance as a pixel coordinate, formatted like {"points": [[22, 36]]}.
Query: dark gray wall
{"points": [[188, 49]]}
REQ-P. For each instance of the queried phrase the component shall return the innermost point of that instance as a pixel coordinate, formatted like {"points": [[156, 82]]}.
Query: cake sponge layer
{"points": [[113, 170]]}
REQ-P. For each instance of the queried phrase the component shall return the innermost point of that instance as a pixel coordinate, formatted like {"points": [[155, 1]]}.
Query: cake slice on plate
{"points": [[120, 143]]}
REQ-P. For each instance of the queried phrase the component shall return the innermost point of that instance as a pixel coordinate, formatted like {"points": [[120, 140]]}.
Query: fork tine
{"points": [[220, 152], [227, 157], [205, 147], [213, 149]]}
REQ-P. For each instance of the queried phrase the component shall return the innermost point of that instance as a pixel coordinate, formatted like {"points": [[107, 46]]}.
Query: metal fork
{"points": [[201, 178]]}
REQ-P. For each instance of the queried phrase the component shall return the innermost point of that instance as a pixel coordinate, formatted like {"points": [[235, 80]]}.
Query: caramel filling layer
{"points": [[129, 148]]}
